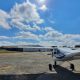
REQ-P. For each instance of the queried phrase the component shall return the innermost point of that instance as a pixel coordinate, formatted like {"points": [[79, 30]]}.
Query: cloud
{"points": [[26, 18], [25, 13], [20, 16], [41, 1], [54, 37], [50, 43], [24, 43], [52, 33], [50, 37], [4, 37], [47, 39], [43, 8], [48, 29], [27, 35], [4, 19], [6, 43], [26, 27]]}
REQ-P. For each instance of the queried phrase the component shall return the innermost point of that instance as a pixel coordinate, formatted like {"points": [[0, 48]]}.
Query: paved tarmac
{"points": [[34, 66]]}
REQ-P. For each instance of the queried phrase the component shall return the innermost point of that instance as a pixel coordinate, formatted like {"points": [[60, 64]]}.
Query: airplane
{"points": [[64, 54]]}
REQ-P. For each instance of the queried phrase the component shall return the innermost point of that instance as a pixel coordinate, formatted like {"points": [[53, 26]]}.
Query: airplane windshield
{"points": [[56, 51]]}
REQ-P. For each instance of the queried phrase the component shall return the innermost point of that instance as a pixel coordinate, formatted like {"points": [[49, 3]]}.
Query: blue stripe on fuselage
{"points": [[60, 57]]}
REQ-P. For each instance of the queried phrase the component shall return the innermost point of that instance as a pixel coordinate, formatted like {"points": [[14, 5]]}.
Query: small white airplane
{"points": [[64, 54]]}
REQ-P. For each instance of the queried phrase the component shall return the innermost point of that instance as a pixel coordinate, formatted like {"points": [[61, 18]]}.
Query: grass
{"points": [[6, 51]]}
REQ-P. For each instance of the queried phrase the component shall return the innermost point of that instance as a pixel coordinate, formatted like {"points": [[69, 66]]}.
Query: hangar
{"points": [[27, 48], [33, 48]]}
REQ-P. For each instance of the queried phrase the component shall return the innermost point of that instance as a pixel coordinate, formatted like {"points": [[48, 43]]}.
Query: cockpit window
{"points": [[56, 51]]}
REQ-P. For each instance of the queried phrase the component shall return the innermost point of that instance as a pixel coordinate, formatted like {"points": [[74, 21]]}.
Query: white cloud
{"points": [[24, 43], [21, 15], [41, 1], [27, 35], [51, 37], [48, 29], [26, 27], [4, 37], [6, 43], [3, 14], [43, 8], [25, 12], [50, 43], [51, 40], [53, 34], [4, 19]]}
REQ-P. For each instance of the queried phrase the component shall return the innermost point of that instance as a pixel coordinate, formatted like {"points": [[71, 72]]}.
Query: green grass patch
{"points": [[6, 51]]}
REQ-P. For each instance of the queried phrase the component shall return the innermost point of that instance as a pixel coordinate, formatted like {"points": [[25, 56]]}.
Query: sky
{"points": [[39, 22]]}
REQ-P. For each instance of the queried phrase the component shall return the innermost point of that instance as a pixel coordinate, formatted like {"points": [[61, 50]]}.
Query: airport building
{"points": [[27, 48], [34, 48]]}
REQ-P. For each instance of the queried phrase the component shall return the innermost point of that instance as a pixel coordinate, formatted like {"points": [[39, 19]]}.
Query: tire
{"points": [[50, 67], [72, 67]]}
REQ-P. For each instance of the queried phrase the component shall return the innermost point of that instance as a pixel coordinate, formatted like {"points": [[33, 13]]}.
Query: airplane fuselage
{"points": [[65, 54]]}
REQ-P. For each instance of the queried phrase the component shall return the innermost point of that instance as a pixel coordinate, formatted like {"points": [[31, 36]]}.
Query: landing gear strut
{"points": [[51, 66], [55, 63]]}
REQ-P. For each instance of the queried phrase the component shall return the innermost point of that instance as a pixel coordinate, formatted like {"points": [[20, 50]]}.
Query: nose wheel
{"points": [[51, 66]]}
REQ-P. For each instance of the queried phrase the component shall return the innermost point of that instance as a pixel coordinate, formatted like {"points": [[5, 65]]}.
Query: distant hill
{"points": [[31, 45], [22, 46]]}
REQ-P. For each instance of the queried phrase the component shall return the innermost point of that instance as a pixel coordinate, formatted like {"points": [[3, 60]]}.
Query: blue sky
{"points": [[44, 22], [67, 15]]}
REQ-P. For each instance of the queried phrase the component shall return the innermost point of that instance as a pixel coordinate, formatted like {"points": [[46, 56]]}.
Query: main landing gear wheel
{"points": [[50, 67], [72, 67]]}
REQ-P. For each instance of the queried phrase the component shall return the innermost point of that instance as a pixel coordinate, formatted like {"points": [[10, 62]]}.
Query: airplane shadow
{"points": [[61, 74], [65, 74]]}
